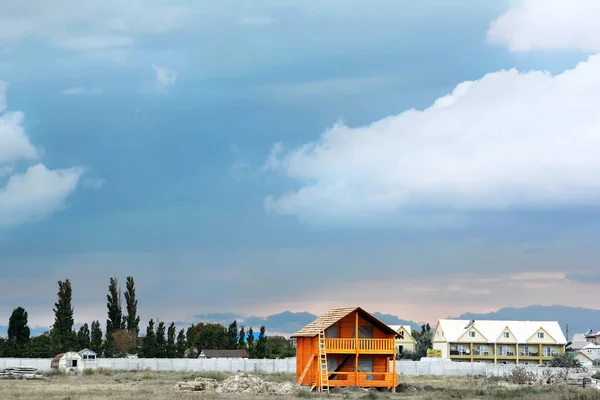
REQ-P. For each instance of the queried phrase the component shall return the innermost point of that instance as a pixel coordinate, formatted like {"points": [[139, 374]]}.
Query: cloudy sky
{"points": [[416, 158]]}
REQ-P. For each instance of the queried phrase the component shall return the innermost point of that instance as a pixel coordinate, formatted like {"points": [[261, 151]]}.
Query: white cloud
{"points": [[106, 23], [2, 96], [549, 24], [164, 77], [508, 140], [81, 90], [37, 192]]}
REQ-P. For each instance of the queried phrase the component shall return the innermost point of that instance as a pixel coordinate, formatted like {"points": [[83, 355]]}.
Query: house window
{"points": [[506, 335], [401, 334], [525, 351], [548, 351], [504, 350], [471, 333], [483, 351], [71, 363], [461, 349], [540, 335]]}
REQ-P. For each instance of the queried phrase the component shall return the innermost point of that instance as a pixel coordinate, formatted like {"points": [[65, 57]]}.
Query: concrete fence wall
{"points": [[287, 365]]}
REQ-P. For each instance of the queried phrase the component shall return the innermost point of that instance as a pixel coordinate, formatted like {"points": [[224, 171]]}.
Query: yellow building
{"points": [[405, 343], [499, 342]]}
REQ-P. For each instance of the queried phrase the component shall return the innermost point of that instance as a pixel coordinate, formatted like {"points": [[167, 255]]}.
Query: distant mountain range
{"points": [[578, 319]]}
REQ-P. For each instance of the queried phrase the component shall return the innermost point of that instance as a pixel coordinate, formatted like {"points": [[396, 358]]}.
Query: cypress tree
{"points": [[96, 338], [18, 333], [84, 337], [232, 336], [149, 343], [63, 337], [132, 319], [181, 344], [161, 348], [171, 347]]}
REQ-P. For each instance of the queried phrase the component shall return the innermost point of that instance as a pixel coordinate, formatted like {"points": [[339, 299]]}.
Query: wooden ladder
{"points": [[323, 371]]}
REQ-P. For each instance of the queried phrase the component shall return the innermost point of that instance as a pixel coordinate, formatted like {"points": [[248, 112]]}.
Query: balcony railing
{"points": [[365, 379], [530, 354], [455, 352], [374, 346]]}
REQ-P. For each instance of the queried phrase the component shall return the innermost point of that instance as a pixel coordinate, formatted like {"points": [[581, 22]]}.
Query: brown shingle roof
{"points": [[334, 315], [225, 353]]}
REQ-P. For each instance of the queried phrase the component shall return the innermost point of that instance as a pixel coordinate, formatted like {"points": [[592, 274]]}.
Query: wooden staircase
{"points": [[323, 372]]}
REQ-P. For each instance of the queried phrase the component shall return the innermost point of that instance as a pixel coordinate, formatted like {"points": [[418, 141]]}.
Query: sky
{"points": [[411, 157]]}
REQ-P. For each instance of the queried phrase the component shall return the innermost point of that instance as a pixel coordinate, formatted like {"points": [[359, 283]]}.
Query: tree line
{"points": [[122, 333]]}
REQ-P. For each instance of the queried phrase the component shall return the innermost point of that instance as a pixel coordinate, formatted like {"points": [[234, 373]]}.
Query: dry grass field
{"points": [[159, 386]]}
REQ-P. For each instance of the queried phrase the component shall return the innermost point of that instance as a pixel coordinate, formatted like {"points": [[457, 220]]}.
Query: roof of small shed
{"points": [[334, 315]]}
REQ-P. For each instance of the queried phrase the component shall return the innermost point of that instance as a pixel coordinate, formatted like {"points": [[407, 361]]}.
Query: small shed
{"points": [[70, 363], [89, 356], [223, 354]]}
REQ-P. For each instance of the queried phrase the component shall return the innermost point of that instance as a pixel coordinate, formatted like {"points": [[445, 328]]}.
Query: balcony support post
{"points": [[356, 349]]}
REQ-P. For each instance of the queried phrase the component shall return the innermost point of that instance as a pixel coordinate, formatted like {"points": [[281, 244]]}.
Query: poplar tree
{"points": [[84, 337], [160, 340], [250, 343], [181, 345], [115, 315], [232, 336], [149, 342], [261, 345], [18, 333], [63, 337], [242, 340], [96, 338], [132, 319], [171, 347]]}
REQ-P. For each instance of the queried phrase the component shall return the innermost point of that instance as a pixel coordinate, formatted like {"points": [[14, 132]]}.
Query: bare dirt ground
{"points": [[145, 385]]}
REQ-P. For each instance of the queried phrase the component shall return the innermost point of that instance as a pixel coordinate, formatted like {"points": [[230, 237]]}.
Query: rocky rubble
{"points": [[240, 383]]}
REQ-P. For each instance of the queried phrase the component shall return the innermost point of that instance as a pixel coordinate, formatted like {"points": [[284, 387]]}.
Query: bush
{"points": [[565, 361], [521, 376]]}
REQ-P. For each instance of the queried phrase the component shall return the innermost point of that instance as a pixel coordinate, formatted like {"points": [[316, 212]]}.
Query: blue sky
{"points": [[227, 154]]}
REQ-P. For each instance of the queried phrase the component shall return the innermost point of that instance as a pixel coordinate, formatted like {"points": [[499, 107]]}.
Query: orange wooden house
{"points": [[346, 347]]}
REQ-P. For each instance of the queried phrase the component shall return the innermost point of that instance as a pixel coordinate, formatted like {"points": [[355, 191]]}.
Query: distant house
{"points": [[592, 350], [69, 363], [223, 354], [88, 356], [583, 358], [592, 337], [578, 342], [499, 342], [404, 341]]}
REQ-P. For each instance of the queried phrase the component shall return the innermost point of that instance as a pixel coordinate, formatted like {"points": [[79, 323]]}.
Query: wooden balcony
{"points": [[365, 379], [365, 346]]}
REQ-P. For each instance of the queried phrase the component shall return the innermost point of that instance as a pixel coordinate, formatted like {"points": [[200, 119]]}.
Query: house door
{"points": [[365, 364]]}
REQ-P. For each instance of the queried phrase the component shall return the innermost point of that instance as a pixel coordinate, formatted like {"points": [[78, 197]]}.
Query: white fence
{"points": [[287, 365]]}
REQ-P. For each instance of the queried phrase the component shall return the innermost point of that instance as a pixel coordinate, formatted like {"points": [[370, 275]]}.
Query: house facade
{"points": [[499, 342], [592, 337], [346, 347], [592, 350], [405, 343]]}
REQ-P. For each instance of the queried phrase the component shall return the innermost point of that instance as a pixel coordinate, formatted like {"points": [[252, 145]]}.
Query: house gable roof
{"points": [[334, 315], [522, 330]]}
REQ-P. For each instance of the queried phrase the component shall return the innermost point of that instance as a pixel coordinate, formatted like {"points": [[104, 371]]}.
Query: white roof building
{"points": [[407, 328], [523, 331]]}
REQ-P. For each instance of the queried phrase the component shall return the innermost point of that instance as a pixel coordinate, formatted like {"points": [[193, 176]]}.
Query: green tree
{"points": [[149, 342], [161, 347], [108, 347], [115, 315], [242, 339], [40, 346], [207, 336], [171, 346], [132, 319], [279, 347], [565, 361], [84, 337], [232, 336], [250, 343], [96, 338], [181, 345], [423, 342], [63, 337], [18, 333], [261, 345]]}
